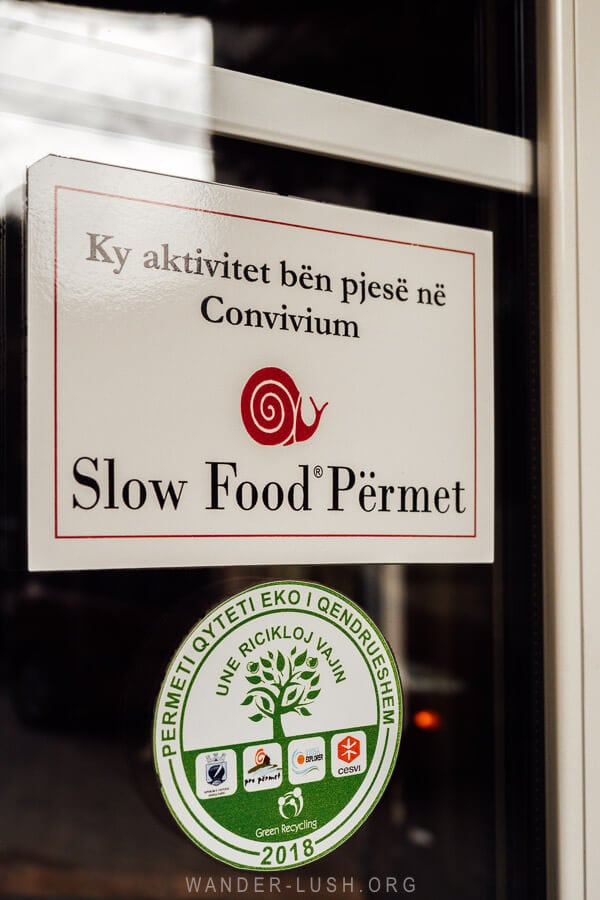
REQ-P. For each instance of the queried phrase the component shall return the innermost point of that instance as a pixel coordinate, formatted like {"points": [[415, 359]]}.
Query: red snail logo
{"points": [[272, 409]]}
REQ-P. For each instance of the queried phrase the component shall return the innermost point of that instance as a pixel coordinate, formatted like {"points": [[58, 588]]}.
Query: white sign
{"points": [[220, 376]]}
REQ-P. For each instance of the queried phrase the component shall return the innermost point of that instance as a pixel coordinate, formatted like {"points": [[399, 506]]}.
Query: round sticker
{"points": [[277, 725]]}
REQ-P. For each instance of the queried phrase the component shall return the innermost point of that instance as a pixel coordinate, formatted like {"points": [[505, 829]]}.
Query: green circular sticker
{"points": [[277, 725]]}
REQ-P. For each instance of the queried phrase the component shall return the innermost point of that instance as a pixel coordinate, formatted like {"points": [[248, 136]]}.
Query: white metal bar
{"points": [[561, 450], [271, 111]]}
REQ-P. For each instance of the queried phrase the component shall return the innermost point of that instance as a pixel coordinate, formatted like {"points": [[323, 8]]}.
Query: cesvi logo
{"points": [[271, 407], [348, 749]]}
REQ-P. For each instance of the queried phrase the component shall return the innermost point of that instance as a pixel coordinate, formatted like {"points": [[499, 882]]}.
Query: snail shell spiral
{"points": [[270, 401], [271, 409]]}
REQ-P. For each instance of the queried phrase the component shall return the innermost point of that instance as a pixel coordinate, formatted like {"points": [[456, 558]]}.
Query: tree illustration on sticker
{"points": [[282, 685]]}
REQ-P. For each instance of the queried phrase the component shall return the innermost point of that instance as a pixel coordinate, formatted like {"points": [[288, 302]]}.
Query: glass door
{"points": [[422, 112]]}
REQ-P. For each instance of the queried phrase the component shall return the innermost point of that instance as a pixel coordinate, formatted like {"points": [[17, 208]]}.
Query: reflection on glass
{"points": [[121, 88]]}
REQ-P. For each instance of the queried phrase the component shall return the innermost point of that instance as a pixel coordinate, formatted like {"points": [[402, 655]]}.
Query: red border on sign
{"points": [[213, 212]]}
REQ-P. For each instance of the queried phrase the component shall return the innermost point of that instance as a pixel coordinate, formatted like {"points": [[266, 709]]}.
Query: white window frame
{"points": [[569, 184]]}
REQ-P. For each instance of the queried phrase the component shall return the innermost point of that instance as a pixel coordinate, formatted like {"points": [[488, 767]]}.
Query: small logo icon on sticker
{"points": [[216, 774], [262, 767], [291, 804], [349, 754], [348, 749], [306, 760], [216, 769]]}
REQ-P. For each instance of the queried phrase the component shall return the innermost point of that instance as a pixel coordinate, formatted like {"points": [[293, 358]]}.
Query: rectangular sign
{"points": [[219, 376]]}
